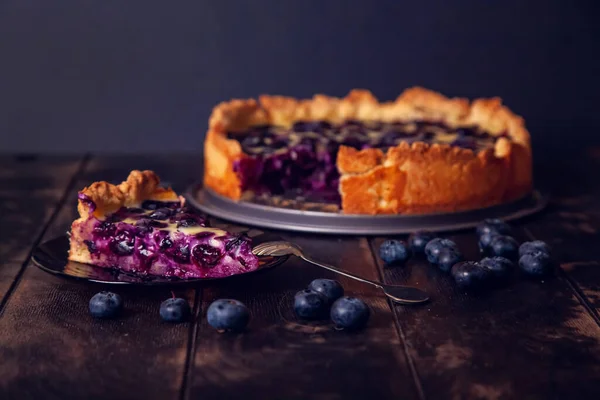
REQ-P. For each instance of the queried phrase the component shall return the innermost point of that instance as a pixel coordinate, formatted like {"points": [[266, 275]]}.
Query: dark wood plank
{"points": [[281, 357], [8, 272], [529, 340], [571, 224], [52, 348], [30, 189]]}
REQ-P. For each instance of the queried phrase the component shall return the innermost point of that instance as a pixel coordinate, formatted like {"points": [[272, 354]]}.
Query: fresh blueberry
{"points": [[349, 313], [485, 240], [394, 251], [329, 288], [228, 315], [447, 257], [504, 246], [532, 247], [500, 267], [105, 305], [470, 275], [435, 246], [309, 304], [418, 240], [537, 264], [174, 310], [493, 225]]}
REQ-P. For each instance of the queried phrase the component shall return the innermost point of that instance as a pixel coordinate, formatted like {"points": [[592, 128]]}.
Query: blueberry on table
{"points": [[175, 310], [349, 313], [105, 305], [470, 275], [418, 240], [228, 315], [532, 247], [329, 288], [309, 304], [537, 264], [394, 252], [485, 240], [500, 267], [435, 246], [493, 225], [504, 246], [447, 257]]}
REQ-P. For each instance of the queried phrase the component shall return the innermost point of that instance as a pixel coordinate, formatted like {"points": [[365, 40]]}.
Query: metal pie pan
{"points": [[265, 216]]}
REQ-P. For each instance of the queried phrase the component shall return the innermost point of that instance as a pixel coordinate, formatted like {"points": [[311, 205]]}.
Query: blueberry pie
{"points": [[421, 153], [140, 227]]}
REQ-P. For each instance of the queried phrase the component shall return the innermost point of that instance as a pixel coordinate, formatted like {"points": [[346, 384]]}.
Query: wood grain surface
{"points": [[530, 339]]}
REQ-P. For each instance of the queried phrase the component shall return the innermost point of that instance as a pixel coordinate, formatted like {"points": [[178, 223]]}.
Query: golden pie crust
{"points": [[107, 199], [406, 179]]}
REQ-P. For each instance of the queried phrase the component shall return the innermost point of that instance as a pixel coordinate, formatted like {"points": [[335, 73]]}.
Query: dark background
{"points": [[142, 76]]}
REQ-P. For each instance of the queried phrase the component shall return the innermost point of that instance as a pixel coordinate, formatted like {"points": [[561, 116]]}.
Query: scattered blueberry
{"points": [[309, 304], [394, 251], [500, 267], [175, 310], [435, 246], [329, 288], [485, 240], [470, 275], [504, 246], [447, 257], [418, 240], [536, 264], [228, 315], [493, 225], [105, 305], [349, 313], [532, 247]]}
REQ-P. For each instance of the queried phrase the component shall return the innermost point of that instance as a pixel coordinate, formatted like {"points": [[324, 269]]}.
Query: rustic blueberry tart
{"points": [[140, 227], [422, 153]]}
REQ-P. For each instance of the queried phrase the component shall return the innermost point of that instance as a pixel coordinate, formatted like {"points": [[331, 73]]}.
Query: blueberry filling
{"points": [[161, 214], [86, 200], [122, 244], [91, 246], [206, 255], [155, 204], [167, 238], [303, 158], [105, 229]]}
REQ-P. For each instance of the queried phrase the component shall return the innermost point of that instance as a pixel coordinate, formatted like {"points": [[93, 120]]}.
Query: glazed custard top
{"points": [[360, 135]]}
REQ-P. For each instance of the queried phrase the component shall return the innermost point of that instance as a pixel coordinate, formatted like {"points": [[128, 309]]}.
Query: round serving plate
{"points": [[51, 257], [303, 217]]}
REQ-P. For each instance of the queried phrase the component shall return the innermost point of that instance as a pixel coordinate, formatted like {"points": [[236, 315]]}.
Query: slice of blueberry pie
{"points": [[140, 227], [421, 153]]}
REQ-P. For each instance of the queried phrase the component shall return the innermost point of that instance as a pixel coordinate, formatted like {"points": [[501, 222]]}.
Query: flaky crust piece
{"points": [[103, 198], [407, 178]]}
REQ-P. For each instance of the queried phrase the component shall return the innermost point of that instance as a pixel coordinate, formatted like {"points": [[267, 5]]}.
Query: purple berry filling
{"points": [[166, 240], [303, 157]]}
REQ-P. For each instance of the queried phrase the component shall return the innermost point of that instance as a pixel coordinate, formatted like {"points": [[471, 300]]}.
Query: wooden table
{"points": [[531, 340]]}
